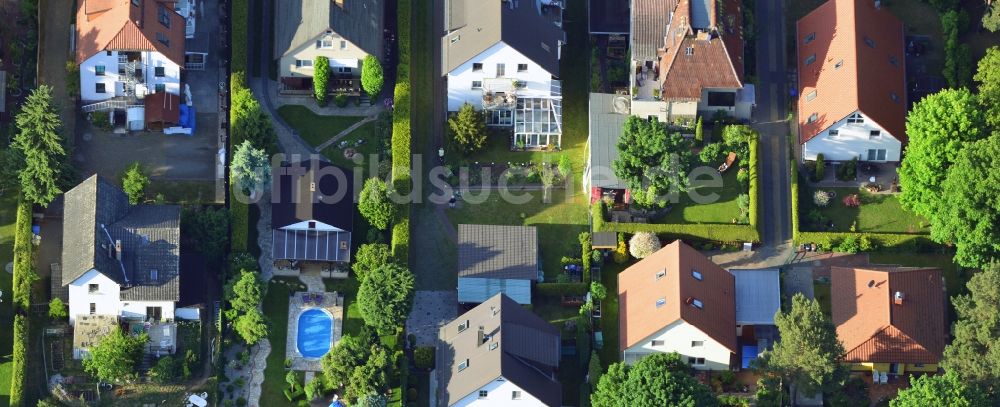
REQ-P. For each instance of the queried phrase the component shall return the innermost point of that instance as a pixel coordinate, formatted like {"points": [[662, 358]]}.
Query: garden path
{"points": [[346, 131]]}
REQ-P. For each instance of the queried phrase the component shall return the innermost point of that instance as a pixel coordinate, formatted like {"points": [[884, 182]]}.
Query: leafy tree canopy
{"points": [[939, 390], [372, 77], [975, 352], [251, 326], [468, 129], [643, 244], [42, 146], [991, 18], [939, 127], [385, 297], [114, 357], [988, 79], [651, 161], [339, 362], [134, 183], [969, 211], [57, 309], [210, 230], [244, 291], [807, 355], [250, 122], [660, 379], [370, 256], [374, 204]]}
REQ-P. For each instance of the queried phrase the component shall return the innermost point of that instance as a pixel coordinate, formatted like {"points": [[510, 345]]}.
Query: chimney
{"points": [[118, 249], [898, 298], [689, 300], [481, 337]]}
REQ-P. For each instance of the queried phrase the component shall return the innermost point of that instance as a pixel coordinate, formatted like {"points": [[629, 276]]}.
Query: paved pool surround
{"points": [[332, 305]]}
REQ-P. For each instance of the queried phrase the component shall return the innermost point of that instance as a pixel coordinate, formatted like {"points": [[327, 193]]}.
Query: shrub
{"points": [[134, 182], [597, 215], [821, 198], [423, 357], [18, 366], [165, 370], [743, 177], [620, 255], [699, 133], [643, 244], [411, 394], [701, 232], [241, 402], [57, 309], [400, 243], [848, 171], [820, 168], [340, 100], [598, 290], [321, 81], [711, 153], [852, 201], [372, 77]]}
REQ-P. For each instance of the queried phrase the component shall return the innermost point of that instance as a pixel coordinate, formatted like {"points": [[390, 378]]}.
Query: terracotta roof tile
{"points": [[694, 61], [873, 328], [854, 45], [639, 289], [121, 25]]}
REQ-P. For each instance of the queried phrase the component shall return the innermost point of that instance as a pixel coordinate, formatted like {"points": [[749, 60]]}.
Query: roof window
{"points": [[697, 275], [689, 51], [809, 38]]}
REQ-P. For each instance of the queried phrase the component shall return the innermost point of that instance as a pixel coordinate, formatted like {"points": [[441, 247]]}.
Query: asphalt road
{"points": [[769, 119]]}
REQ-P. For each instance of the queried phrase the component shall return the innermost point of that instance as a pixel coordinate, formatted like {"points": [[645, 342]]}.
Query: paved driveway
{"points": [[166, 157], [431, 310]]}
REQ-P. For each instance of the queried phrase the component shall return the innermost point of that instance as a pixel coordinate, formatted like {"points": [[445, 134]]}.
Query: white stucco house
{"points": [[851, 83], [343, 31], [498, 354], [677, 300], [502, 57], [687, 60], [121, 262], [127, 49]]}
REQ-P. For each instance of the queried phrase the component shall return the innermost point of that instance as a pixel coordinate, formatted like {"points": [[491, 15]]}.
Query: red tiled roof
{"points": [[121, 25], [873, 328], [862, 40], [716, 60], [639, 290]]}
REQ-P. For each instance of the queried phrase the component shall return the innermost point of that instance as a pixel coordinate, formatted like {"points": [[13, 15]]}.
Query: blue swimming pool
{"points": [[315, 330]]}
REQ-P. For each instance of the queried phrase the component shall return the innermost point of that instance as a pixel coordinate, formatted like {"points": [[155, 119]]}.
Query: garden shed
{"points": [[496, 259]]}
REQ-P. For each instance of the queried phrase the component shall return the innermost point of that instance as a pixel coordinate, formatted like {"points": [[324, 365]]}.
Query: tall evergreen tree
{"points": [[975, 352], [41, 145]]}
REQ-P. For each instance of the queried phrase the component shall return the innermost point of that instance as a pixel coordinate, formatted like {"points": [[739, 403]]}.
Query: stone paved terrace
{"points": [[332, 303]]}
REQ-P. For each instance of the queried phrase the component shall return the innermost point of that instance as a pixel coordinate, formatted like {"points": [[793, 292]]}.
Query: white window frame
{"points": [[93, 288], [326, 44], [484, 394], [697, 275], [477, 84], [661, 302], [697, 344], [855, 118], [463, 326], [833, 133], [501, 70], [304, 63], [874, 134]]}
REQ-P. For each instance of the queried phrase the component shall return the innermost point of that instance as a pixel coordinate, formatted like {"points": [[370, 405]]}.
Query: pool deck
{"points": [[332, 303]]}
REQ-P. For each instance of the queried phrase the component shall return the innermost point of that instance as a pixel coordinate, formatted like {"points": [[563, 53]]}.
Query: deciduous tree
{"points": [[372, 77], [939, 390], [809, 353], [938, 127], [651, 161], [250, 122], [42, 146], [209, 228], [643, 244], [969, 211], [370, 256], [134, 183], [660, 379], [975, 352], [385, 297], [988, 82], [251, 326], [114, 357], [374, 204], [468, 129]]}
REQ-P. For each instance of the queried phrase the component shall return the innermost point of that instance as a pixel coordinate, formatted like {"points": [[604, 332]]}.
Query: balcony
{"points": [[646, 85], [500, 93]]}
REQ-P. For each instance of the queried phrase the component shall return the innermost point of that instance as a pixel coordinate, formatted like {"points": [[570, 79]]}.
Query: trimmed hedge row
{"points": [[586, 246], [401, 137], [401, 143], [241, 15], [18, 380], [561, 289], [754, 197], [709, 232], [239, 213], [794, 165], [24, 271], [597, 215], [400, 244]]}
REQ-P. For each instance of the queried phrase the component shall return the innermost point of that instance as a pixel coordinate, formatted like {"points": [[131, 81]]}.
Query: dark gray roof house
{"points": [[137, 246], [496, 259], [473, 26], [494, 345], [312, 212], [607, 118], [299, 22]]}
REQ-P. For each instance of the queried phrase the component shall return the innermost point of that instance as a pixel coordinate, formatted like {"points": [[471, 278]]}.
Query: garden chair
{"points": [[729, 162]]}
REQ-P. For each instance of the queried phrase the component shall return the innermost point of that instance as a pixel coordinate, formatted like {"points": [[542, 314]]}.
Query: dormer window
{"points": [[462, 366], [660, 274], [463, 326], [689, 51]]}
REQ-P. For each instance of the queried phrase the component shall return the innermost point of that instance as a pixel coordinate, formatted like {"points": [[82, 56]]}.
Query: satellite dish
{"points": [[621, 105]]}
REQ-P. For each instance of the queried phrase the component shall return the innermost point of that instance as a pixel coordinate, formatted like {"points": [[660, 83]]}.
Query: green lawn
{"points": [[558, 222], [371, 136], [313, 128], [182, 192], [821, 292], [723, 210], [877, 213], [276, 310], [352, 314], [8, 205], [609, 313], [570, 375]]}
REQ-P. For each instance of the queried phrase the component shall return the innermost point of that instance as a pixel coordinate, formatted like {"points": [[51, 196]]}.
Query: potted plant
{"points": [[656, 93]]}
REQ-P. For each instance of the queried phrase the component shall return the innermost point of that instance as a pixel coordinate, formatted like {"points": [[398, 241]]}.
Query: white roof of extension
{"points": [[758, 296]]}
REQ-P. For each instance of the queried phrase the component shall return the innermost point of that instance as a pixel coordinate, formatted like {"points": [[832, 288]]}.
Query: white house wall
{"points": [[852, 141], [706, 110], [499, 393], [537, 80], [678, 337], [309, 52], [137, 309], [114, 86], [106, 299]]}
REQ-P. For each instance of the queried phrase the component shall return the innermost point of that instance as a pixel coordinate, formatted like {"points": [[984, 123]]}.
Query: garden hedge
{"points": [[597, 215], [401, 137], [705, 232], [586, 246], [24, 272], [754, 197], [18, 366], [794, 178], [239, 35], [240, 224], [561, 289], [400, 243]]}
